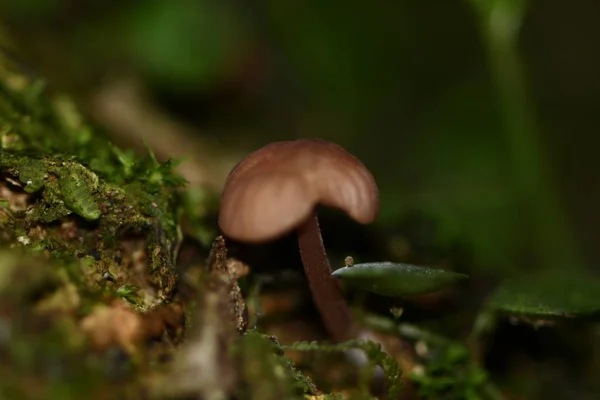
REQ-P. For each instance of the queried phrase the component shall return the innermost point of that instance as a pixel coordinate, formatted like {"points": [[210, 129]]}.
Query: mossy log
{"points": [[89, 238]]}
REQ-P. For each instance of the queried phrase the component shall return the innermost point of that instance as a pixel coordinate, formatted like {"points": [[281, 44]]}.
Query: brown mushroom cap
{"points": [[274, 189]]}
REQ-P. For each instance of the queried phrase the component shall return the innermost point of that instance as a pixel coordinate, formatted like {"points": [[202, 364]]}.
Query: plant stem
{"points": [[500, 24], [326, 292]]}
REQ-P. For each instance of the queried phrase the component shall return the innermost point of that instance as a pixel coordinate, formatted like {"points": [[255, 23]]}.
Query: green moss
{"points": [[32, 173], [375, 357], [68, 186], [43, 354], [78, 186], [129, 293], [84, 196], [266, 374], [449, 373], [82, 223]]}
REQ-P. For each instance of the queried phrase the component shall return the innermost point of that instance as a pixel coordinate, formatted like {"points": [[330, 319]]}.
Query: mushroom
{"points": [[276, 189]]}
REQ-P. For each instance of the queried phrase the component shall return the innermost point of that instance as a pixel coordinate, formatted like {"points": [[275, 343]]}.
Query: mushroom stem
{"points": [[326, 292]]}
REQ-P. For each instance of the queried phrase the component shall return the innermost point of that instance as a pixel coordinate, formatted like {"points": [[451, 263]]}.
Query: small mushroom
{"points": [[276, 190]]}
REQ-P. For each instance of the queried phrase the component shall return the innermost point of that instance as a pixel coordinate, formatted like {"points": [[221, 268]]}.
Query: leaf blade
{"points": [[549, 294], [397, 279]]}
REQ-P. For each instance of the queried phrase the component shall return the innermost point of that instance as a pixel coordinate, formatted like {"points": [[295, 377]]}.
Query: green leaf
{"points": [[392, 279], [554, 294]]}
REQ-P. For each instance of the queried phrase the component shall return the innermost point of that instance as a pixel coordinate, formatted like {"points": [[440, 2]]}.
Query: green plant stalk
{"points": [[500, 22]]}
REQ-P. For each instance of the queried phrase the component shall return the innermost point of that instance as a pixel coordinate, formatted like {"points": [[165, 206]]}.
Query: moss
{"points": [[43, 354], [82, 223], [129, 293], [375, 357], [266, 373], [83, 196]]}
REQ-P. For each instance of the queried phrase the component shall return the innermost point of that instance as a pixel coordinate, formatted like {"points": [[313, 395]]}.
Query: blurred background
{"points": [[478, 118]]}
